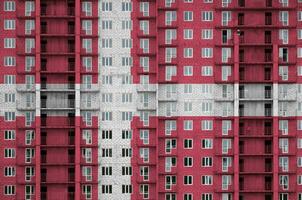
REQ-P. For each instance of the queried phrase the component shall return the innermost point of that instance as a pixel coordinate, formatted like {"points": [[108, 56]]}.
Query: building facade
{"points": [[151, 99]]}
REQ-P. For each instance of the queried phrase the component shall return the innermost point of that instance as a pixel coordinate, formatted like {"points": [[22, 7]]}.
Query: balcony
{"points": [[146, 105], [59, 122], [59, 105], [70, 87], [23, 105], [48, 10], [255, 93], [146, 88]]}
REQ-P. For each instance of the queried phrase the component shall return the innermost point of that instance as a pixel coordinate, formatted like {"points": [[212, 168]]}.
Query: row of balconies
{"points": [[70, 87]]}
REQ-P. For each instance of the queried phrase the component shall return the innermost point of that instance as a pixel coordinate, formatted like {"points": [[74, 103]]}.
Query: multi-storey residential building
{"points": [[151, 99]]}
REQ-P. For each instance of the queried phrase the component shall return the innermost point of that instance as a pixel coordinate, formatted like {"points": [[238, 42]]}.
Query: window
{"points": [[9, 79], [188, 70], [206, 107], [107, 189], [299, 34], [9, 61], [226, 145], [207, 34], [170, 34], [144, 26], [226, 182], [107, 134], [107, 97], [144, 45], [9, 135], [188, 180], [188, 52], [126, 25], [29, 26], [207, 52], [106, 171], [188, 125], [29, 45], [126, 134], [144, 172], [188, 196], [144, 8], [107, 61], [126, 189], [283, 35], [29, 172], [299, 70], [126, 152], [299, 161], [188, 88], [283, 196], [107, 116], [126, 170], [207, 71], [299, 16], [29, 192], [284, 181], [170, 144], [299, 143], [170, 16], [106, 24], [126, 6], [9, 43], [170, 125], [299, 124], [225, 18], [283, 17], [87, 63], [87, 26], [29, 154], [170, 72], [9, 171], [87, 45], [169, 163], [126, 97], [226, 72], [126, 43], [87, 136], [170, 53], [299, 179], [207, 143], [9, 190], [87, 191], [106, 6], [207, 16], [299, 52], [188, 106], [225, 54], [9, 24], [188, 143], [9, 153], [87, 81], [144, 154], [87, 173], [87, 8], [226, 126], [206, 125], [206, 180], [207, 162], [144, 190], [226, 163], [9, 6], [206, 196], [188, 161], [127, 116], [9, 116], [188, 34], [188, 16], [144, 136]]}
